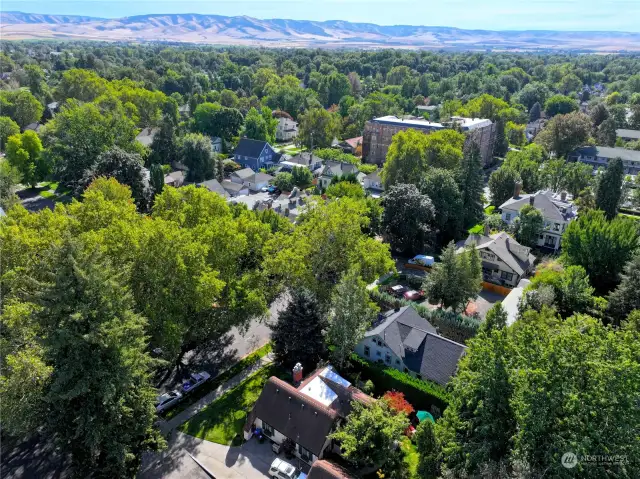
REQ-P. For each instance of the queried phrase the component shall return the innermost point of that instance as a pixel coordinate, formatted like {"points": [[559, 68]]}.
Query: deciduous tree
{"points": [[408, 219]]}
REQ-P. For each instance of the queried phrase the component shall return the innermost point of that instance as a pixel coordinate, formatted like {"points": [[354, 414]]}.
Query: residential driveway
{"points": [[249, 461], [485, 300]]}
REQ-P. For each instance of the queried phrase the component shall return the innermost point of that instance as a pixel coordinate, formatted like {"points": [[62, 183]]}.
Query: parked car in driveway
{"points": [[195, 381], [166, 401], [398, 290], [283, 470], [414, 295]]}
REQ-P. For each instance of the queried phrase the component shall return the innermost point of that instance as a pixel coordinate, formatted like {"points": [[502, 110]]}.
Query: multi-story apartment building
{"points": [[379, 132], [599, 157]]}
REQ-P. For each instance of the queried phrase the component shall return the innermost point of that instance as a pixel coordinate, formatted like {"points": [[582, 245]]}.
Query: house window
{"points": [[507, 276], [267, 429], [367, 351], [305, 454], [379, 353], [418, 376], [507, 217], [556, 227], [397, 361], [406, 370], [387, 358]]}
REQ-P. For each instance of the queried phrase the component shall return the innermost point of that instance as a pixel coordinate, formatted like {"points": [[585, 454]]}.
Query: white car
{"points": [[166, 401], [282, 470], [195, 381]]}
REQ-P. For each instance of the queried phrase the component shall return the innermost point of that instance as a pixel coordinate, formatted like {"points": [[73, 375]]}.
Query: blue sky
{"points": [[620, 15]]}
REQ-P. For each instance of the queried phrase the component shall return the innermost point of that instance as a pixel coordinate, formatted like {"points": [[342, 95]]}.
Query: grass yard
{"points": [[213, 384], [222, 421], [48, 194]]}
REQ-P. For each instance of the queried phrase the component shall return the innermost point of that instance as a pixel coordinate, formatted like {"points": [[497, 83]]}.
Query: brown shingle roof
{"points": [[300, 418], [322, 469]]}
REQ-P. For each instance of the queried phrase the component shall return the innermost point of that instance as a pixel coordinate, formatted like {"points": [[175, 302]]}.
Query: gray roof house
{"points": [[175, 179], [373, 183], [407, 342], [557, 210], [214, 186], [628, 135], [599, 157], [504, 260], [234, 189], [240, 176], [336, 168], [305, 159]]}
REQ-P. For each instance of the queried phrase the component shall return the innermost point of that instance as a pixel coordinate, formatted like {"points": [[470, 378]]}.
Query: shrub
{"points": [[369, 387], [397, 402], [453, 326], [423, 395]]}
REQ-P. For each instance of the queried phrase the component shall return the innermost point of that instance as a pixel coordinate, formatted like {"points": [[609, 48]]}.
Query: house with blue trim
{"points": [[255, 154]]}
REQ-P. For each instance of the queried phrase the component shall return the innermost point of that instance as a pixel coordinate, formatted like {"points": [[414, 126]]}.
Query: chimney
{"points": [[517, 189], [532, 198], [297, 373], [487, 230], [563, 196]]}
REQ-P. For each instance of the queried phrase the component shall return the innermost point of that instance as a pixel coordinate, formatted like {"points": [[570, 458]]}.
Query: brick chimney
{"points": [[517, 189], [297, 374]]}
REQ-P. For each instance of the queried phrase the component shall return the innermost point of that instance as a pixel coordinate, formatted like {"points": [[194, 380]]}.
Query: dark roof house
{"points": [[214, 186], [415, 343], [255, 154]]}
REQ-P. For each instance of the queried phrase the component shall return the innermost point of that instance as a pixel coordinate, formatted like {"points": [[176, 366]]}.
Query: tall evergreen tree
{"points": [[157, 178], [164, 145], [609, 188], [535, 113], [429, 450], [626, 297], [297, 335], [501, 144], [471, 185], [99, 399], [351, 314]]}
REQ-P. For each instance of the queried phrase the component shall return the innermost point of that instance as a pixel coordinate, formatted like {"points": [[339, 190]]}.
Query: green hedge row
{"points": [[421, 394], [454, 326]]}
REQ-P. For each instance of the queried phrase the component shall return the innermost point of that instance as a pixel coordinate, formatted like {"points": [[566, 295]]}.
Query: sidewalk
{"points": [[167, 426]]}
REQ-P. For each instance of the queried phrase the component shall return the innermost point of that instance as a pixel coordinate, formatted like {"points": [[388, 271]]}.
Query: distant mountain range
{"points": [[243, 30]]}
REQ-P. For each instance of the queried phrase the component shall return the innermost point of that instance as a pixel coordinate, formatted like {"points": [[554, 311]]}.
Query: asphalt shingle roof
{"points": [[215, 187], [608, 152], [413, 339], [502, 245], [297, 416], [624, 133], [250, 148], [542, 201]]}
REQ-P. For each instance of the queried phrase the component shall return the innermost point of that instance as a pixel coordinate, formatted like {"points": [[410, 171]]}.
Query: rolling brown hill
{"points": [[244, 30]]}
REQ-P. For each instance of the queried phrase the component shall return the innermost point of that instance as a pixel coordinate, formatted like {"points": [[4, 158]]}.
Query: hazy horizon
{"points": [[567, 15]]}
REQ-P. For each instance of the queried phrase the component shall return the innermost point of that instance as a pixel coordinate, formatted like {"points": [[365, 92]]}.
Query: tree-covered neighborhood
{"points": [[333, 263]]}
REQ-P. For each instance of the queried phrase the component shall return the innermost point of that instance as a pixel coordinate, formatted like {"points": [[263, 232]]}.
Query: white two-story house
{"points": [[504, 260], [336, 169], [557, 210], [287, 129]]}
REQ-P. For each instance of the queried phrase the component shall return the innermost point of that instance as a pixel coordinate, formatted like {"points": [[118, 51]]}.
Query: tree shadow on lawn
{"points": [[223, 420]]}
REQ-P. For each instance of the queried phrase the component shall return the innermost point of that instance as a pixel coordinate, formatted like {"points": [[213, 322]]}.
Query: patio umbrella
{"points": [[424, 415]]}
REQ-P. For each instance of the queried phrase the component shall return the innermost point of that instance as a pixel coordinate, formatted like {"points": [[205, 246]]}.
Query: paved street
{"points": [[229, 349]]}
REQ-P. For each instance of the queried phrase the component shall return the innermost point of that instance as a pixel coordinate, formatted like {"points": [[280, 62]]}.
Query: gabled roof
{"points": [[214, 186], [260, 178], [297, 416], [505, 248], [413, 339], [232, 187], [336, 168], [374, 176], [250, 148], [544, 201], [304, 159], [174, 176], [354, 142], [244, 173]]}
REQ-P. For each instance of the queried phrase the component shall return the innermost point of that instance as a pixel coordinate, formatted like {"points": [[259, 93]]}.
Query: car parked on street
{"points": [[195, 381], [166, 401], [282, 470]]}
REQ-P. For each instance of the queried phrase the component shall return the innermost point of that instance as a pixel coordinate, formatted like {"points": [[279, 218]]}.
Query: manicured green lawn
{"points": [[223, 419], [48, 194], [213, 384]]}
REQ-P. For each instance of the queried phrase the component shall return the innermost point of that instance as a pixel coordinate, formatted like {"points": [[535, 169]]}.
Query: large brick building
{"points": [[379, 132]]}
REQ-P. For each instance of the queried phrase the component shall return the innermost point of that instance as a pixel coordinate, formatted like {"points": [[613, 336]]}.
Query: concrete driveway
{"points": [[249, 461]]}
